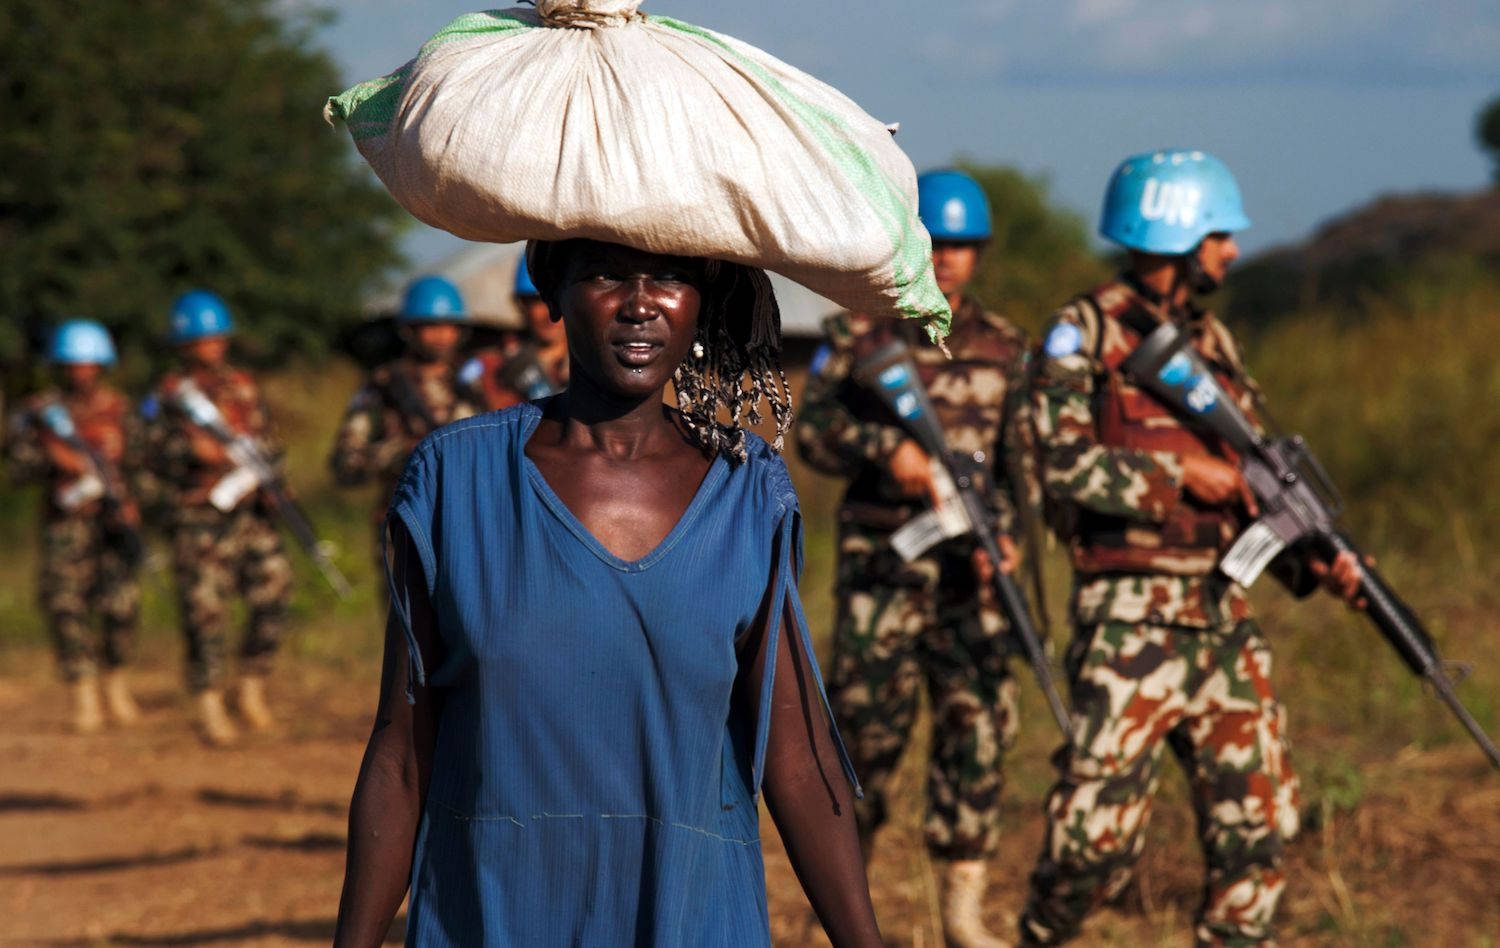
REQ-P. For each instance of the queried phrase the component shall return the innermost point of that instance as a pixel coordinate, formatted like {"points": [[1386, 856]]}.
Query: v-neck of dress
{"points": [[575, 526]]}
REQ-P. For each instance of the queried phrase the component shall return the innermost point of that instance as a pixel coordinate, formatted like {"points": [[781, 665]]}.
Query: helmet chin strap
{"points": [[1190, 271]]}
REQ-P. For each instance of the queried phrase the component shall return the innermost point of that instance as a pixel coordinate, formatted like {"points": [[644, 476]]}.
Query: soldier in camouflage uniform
{"points": [[1165, 652], [538, 355], [223, 535], [408, 397], [83, 442], [930, 620]]}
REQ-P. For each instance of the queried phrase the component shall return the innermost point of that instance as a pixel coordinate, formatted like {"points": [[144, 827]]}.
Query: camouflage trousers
{"points": [[213, 556], [900, 625], [82, 576], [1205, 693]]}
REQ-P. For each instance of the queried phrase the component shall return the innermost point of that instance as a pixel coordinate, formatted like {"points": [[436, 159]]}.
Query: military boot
{"points": [[88, 716], [250, 701], [963, 901], [213, 720], [117, 698]]}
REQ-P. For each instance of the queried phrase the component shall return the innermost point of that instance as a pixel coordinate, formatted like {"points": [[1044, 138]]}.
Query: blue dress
{"points": [[589, 786]]}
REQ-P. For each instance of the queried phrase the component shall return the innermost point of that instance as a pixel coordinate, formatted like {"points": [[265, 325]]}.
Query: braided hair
{"points": [[739, 338]]}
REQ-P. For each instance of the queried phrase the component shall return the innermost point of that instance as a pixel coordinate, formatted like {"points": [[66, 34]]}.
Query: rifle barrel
{"points": [[307, 538], [1014, 603], [1444, 689], [1400, 627]]}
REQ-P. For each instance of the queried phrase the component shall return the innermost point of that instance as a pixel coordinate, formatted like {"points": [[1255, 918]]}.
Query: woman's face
{"points": [[631, 316]]}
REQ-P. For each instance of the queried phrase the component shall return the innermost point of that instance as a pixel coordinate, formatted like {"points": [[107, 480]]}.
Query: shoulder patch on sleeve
{"points": [[1064, 340], [470, 371], [150, 407], [819, 359]]}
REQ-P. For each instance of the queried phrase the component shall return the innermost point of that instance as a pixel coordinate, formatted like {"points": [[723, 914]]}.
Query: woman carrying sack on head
{"points": [[596, 658]]}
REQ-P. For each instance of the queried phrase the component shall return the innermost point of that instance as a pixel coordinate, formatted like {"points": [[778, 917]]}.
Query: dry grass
{"points": [[1403, 844]]}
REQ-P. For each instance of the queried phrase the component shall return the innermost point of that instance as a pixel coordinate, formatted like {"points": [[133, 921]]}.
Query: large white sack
{"points": [[649, 132]]}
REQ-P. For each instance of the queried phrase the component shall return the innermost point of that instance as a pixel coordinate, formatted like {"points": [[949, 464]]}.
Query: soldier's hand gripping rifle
{"points": [[253, 471], [410, 403], [890, 373], [101, 482], [1299, 506]]}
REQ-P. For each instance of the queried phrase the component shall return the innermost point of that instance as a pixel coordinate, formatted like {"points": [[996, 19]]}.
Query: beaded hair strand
{"points": [[739, 332]]}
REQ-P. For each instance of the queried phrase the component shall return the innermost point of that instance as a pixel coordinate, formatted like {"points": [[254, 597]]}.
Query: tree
{"points": [[1487, 130], [1040, 254], [159, 145]]}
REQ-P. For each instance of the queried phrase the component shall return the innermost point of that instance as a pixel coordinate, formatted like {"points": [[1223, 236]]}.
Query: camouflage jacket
{"points": [[979, 397], [1111, 460], [187, 476], [389, 416], [106, 421]]}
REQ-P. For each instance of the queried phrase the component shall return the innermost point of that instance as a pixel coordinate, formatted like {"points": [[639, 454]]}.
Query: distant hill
{"points": [[1369, 251]]}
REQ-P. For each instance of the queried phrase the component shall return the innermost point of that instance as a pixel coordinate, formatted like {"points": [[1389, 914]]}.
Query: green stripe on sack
{"points": [[908, 262], [369, 107], [474, 24]]}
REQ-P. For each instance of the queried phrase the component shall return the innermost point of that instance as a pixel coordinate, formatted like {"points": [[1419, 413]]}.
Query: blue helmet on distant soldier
{"points": [[197, 314], [432, 298], [524, 286], [952, 206], [1166, 202], [81, 342]]}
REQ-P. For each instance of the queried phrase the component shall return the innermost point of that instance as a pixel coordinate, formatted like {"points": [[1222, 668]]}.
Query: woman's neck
{"points": [[621, 429]]}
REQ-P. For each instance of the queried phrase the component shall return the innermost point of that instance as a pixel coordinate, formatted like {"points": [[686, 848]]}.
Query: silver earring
{"points": [[697, 350]]}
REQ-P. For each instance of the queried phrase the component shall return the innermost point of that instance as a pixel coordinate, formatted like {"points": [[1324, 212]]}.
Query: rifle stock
{"points": [[523, 373]]}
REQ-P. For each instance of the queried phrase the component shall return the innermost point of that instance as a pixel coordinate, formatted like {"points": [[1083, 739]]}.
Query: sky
{"points": [[1317, 105]]}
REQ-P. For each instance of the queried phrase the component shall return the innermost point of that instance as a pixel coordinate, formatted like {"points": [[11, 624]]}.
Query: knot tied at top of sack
{"points": [[588, 14]]}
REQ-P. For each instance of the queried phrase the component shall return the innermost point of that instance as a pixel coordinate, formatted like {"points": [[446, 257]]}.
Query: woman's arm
{"points": [[392, 785], [806, 790]]}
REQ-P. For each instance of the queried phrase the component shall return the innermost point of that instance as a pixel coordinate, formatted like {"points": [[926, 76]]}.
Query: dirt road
{"points": [[144, 837]]}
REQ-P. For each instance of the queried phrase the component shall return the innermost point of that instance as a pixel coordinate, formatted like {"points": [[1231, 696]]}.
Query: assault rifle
{"points": [[1299, 504], [409, 401], [253, 471], [522, 372], [101, 482], [890, 373]]}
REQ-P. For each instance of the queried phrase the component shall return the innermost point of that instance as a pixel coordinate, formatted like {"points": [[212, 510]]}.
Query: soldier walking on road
{"points": [[406, 398], [933, 619], [83, 441], [544, 342], [1165, 652], [223, 534]]}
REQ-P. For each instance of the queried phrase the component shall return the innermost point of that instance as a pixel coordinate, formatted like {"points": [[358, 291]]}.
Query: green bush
{"points": [[158, 145]]}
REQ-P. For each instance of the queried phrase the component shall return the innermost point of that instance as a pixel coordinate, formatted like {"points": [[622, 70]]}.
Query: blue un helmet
{"points": [[197, 314], [81, 342], [1166, 202], [432, 299], [524, 286], [952, 206]]}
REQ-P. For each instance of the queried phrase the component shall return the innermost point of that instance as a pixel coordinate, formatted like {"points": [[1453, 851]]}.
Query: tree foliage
{"points": [[1040, 254], [159, 145], [1487, 130]]}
